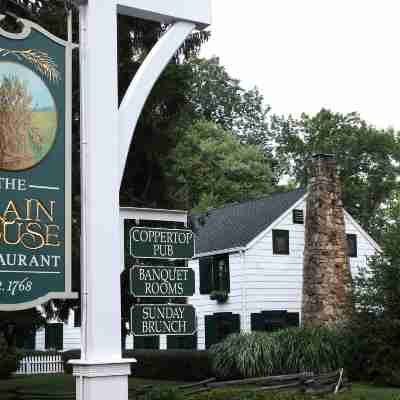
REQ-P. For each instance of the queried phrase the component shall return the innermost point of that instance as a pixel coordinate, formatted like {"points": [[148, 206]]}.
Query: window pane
{"points": [[351, 245], [280, 239]]}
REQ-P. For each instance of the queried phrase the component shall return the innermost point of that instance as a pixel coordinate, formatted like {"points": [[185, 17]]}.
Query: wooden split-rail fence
{"points": [[41, 364], [308, 383]]}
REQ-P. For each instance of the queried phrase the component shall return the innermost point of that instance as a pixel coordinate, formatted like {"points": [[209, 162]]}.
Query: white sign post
{"points": [[106, 134]]}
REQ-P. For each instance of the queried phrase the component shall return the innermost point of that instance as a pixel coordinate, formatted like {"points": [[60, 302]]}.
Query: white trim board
{"points": [[168, 11]]}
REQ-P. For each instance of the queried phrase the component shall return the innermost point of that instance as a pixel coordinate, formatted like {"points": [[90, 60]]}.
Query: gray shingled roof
{"points": [[235, 225]]}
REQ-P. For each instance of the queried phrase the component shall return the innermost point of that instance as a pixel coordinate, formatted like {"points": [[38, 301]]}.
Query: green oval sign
{"points": [[158, 243], [35, 168], [147, 281], [163, 319]]}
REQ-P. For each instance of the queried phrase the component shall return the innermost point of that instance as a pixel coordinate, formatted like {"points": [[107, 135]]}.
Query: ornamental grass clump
{"points": [[294, 350]]}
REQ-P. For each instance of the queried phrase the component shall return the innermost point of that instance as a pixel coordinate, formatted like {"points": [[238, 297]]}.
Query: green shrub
{"points": [[181, 365], [373, 352], [8, 359], [283, 352]]}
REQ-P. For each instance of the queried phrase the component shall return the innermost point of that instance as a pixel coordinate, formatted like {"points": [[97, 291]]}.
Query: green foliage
{"points": [[217, 97], [212, 168], [8, 359], [368, 159], [164, 394], [283, 352], [179, 365], [374, 332], [373, 349]]}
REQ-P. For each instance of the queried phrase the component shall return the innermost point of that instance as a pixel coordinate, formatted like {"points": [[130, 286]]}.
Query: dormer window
{"points": [[298, 217]]}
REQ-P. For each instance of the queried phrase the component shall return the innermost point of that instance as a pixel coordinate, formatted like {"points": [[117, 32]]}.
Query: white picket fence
{"points": [[41, 364]]}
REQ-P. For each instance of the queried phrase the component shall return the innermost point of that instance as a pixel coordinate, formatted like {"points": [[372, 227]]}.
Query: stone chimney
{"points": [[326, 272]]}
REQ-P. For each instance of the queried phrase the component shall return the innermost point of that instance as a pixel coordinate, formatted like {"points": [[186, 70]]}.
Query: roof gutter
{"points": [[216, 252]]}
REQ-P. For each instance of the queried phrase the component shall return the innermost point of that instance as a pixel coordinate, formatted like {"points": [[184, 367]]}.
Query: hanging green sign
{"points": [[35, 167], [147, 281], [161, 243], [163, 319]]}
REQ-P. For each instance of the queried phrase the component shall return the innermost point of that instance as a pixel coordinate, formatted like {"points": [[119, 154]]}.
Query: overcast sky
{"points": [[308, 54]]}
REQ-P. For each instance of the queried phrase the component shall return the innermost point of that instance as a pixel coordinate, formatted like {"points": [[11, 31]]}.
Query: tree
{"points": [[212, 168], [374, 330], [217, 97], [368, 159]]}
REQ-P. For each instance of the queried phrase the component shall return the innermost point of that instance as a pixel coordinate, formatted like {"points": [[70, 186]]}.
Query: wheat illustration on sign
{"points": [[43, 63]]}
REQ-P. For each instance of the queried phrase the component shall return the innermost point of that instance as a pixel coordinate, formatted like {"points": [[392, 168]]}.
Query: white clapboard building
{"points": [[249, 264], [248, 268]]}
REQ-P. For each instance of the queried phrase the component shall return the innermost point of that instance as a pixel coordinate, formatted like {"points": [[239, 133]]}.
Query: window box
{"points": [[220, 295]]}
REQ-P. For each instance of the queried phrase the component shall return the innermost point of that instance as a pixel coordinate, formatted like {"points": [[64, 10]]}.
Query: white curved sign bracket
{"points": [[141, 85], [185, 18]]}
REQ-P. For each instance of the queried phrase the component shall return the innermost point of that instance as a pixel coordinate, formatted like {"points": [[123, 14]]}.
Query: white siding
{"points": [[259, 280], [274, 281], [204, 306], [71, 335], [365, 248], [263, 281]]}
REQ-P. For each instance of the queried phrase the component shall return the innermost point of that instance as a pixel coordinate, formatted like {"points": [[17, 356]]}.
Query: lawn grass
{"points": [[369, 392], [62, 383]]}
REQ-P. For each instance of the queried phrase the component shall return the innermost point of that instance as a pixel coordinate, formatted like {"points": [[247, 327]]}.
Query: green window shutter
{"points": [[59, 336], [293, 319], [147, 342], [235, 323], [54, 336], [210, 328], [226, 323], [274, 320], [227, 275], [257, 322], [205, 271], [188, 342], [47, 337]]}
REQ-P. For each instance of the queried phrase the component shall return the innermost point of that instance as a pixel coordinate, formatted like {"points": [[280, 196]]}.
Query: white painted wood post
{"points": [[101, 373]]}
